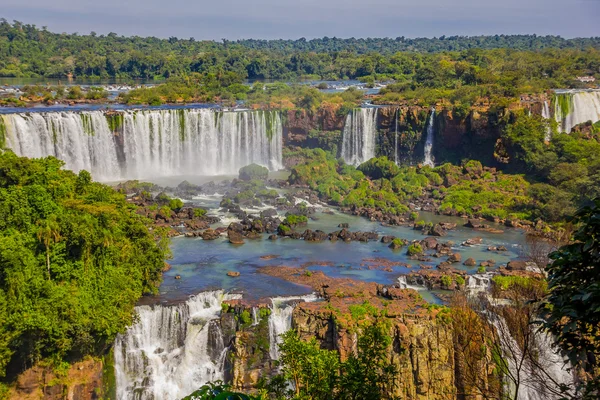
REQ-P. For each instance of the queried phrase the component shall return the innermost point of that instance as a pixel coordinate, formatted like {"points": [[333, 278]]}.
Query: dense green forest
{"points": [[27, 51], [74, 257]]}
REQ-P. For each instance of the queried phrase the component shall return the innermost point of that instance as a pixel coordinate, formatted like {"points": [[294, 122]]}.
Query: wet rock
{"points": [[235, 237], [253, 235], [177, 277], [387, 239], [429, 243], [270, 212], [233, 274], [502, 248], [314, 236], [437, 230], [344, 225], [210, 234], [454, 258], [273, 237], [470, 262], [472, 241], [475, 225], [397, 244], [447, 226]]}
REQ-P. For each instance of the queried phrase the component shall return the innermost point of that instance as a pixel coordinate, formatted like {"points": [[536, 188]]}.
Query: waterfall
{"points": [[81, 140], [404, 284], [280, 320], [546, 115], [359, 136], [150, 143], [538, 380], [428, 160], [479, 283], [574, 107], [171, 350], [396, 136]]}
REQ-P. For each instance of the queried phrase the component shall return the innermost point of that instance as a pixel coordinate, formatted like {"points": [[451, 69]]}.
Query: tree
{"points": [[572, 308]]}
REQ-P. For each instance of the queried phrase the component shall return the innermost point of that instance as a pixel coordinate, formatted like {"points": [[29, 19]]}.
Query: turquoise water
{"points": [[202, 265]]}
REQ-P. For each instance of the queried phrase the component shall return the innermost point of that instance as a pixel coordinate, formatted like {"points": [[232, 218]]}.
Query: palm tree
{"points": [[48, 233]]}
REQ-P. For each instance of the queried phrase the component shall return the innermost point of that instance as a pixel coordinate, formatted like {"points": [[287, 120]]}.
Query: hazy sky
{"points": [[269, 19]]}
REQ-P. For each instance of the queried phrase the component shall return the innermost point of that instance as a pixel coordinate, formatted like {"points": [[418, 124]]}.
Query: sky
{"points": [[274, 19]]}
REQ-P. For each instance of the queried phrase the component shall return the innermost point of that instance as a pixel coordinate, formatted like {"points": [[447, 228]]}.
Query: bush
{"points": [[447, 281], [294, 220], [175, 204], [199, 212], [414, 249], [253, 171]]}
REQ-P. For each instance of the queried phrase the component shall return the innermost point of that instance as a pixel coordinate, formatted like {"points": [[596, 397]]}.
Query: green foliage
{"points": [[245, 319], [175, 204], [460, 280], [414, 249], [377, 168], [217, 391], [74, 260], [253, 171], [318, 374], [447, 281], [508, 282], [293, 220], [199, 212], [481, 269], [573, 305]]}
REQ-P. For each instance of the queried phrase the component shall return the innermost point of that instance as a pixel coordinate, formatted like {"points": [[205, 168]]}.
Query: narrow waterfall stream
{"points": [[428, 159], [137, 144], [172, 350], [546, 115], [359, 136], [280, 320]]}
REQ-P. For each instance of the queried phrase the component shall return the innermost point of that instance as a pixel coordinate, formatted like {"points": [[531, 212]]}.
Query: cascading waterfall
{"points": [[280, 320], [172, 350], [359, 136], [428, 160], [153, 143], [574, 107], [479, 283], [546, 115], [538, 380], [82, 140]]}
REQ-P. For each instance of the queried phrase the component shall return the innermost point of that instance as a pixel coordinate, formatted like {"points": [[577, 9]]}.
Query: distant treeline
{"points": [[28, 51]]}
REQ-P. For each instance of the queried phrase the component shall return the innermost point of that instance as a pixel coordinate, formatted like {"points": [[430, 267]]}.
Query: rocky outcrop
{"points": [[83, 381]]}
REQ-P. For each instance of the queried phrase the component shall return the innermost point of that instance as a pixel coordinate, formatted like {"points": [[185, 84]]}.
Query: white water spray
{"points": [[172, 350], [428, 160], [359, 136], [153, 143]]}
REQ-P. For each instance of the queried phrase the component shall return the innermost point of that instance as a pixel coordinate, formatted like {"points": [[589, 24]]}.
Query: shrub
{"points": [[253, 171], [447, 281], [199, 212], [175, 204], [414, 249]]}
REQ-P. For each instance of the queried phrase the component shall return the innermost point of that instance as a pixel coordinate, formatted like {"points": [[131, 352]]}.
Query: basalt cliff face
{"points": [[84, 380], [401, 133]]}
